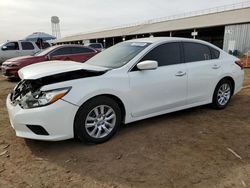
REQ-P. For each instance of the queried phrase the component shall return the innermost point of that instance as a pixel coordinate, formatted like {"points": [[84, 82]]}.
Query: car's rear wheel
{"points": [[97, 120], [222, 94]]}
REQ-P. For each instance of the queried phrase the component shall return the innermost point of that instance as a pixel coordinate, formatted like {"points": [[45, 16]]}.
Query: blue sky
{"points": [[19, 18]]}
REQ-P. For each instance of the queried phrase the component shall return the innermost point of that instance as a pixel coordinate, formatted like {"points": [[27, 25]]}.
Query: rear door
{"points": [[154, 91], [204, 69], [27, 48]]}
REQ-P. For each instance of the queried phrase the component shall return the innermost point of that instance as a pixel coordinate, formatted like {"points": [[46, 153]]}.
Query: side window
{"points": [[196, 52], [81, 50], [165, 54], [215, 53], [62, 51], [27, 46], [12, 46]]}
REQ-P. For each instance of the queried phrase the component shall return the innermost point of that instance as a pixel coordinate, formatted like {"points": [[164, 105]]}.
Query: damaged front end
{"points": [[27, 94]]}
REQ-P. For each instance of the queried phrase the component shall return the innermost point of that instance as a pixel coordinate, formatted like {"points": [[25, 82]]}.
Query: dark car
{"points": [[76, 53]]}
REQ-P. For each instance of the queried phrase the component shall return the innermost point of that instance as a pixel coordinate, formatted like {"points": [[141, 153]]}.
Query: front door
{"points": [[10, 50], [154, 91]]}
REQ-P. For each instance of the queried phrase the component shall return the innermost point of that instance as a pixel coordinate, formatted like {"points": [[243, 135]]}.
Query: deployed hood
{"points": [[50, 68]]}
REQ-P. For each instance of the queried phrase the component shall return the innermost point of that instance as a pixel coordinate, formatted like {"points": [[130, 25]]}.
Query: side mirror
{"points": [[48, 57], [147, 65], [4, 48]]}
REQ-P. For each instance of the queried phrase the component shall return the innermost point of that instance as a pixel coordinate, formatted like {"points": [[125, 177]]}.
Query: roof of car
{"points": [[162, 39], [71, 45], [94, 43], [169, 39]]}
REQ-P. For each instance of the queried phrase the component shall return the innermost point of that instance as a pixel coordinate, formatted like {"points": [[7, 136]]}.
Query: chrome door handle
{"points": [[180, 73], [215, 66]]}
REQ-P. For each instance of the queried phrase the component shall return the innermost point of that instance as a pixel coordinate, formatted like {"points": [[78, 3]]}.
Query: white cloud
{"points": [[19, 18]]}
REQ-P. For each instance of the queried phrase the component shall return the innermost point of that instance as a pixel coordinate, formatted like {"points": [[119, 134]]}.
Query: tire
{"points": [[222, 94], [97, 120]]}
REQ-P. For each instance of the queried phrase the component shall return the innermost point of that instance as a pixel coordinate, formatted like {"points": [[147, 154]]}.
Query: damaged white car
{"points": [[130, 81]]}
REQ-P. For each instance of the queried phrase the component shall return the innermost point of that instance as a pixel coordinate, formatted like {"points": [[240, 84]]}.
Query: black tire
{"points": [[216, 104], [80, 119]]}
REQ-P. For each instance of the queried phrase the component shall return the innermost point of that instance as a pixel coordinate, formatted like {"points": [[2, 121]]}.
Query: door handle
{"points": [[215, 66], [180, 73]]}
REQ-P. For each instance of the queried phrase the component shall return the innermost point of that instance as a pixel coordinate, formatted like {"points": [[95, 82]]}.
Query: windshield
{"points": [[45, 52], [118, 55]]}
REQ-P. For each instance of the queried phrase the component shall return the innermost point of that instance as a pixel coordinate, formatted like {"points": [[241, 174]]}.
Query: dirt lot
{"points": [[184, 149]]}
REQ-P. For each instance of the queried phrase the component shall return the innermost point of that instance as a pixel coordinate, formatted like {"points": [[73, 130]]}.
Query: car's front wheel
{"points": [[97, 120], [222, 94]]}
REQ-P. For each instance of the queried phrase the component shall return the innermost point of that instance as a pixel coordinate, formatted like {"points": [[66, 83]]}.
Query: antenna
{"points": [[55, 24]]}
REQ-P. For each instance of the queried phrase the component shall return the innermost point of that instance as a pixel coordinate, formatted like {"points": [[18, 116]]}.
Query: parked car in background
{"points": [[43, 45], [13, 49], [97, 46], [77, 53], [130, 81]]}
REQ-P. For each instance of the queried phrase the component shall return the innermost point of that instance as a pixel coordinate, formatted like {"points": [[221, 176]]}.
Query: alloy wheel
{"points": [[224, 94], [100, 121]]}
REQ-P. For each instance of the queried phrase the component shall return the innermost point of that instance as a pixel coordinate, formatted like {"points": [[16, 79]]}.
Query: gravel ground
{"points": [[191, 148]]}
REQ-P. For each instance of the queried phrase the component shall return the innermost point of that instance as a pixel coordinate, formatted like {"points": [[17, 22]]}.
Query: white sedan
{"points": [[130, 81]]}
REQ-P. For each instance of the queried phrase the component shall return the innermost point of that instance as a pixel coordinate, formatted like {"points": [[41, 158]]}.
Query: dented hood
{"points": [[49, 68]]}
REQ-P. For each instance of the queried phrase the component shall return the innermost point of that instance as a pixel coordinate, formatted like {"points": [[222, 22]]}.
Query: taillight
{"points": [[240, 64]]}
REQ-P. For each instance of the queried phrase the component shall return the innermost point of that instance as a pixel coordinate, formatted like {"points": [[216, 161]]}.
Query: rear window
{"points": [[27, 46], [196, 52]]}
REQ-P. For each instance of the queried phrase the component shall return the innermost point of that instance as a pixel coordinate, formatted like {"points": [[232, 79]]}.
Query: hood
{"points": [[21, 58], [49, 68]]}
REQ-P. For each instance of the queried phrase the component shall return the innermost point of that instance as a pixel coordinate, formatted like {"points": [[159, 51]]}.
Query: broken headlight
{"points": [[42, 98]]}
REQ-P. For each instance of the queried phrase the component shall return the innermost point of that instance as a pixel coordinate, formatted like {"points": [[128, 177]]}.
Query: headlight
{"points": [[42, 98], [11, 65]]}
